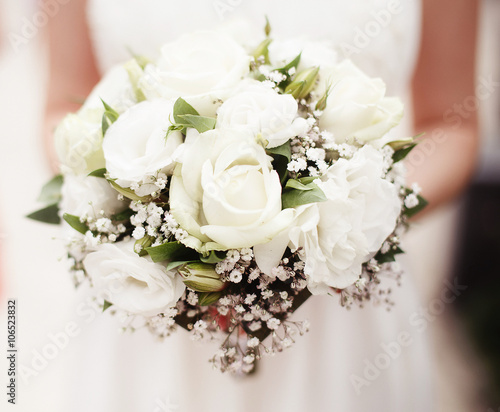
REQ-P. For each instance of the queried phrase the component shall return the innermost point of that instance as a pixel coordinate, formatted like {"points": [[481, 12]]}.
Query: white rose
{"points": [[340, 234], [356, 108], [87, 196], [78, 138], [225, 193], [135, 146], [115, 89], [200, 67], [260, 109], [132, 283], [78, 145]]}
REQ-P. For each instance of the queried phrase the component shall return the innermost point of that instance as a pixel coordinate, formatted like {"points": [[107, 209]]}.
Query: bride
{"points": [[425, 47]]}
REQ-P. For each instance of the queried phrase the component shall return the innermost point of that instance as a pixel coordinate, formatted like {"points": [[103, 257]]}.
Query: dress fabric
{"points": [[334, 366]]}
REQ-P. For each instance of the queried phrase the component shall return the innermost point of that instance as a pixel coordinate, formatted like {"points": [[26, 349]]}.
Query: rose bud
{"points": [[201, 277], [303, 83]]}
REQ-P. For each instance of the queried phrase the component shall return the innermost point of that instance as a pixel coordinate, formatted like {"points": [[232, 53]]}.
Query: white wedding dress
{"points": [[331, 367]]}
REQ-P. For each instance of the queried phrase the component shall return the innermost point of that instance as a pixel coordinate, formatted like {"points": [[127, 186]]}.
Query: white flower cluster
{"points": [[218, 189], [153, 221]]}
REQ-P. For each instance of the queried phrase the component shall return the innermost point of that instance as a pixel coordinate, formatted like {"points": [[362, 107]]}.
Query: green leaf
{"points": [[200, 123], [128, 193], [177, 263], [121, 216], [400, 154], [284, 150], [389, 256], [293, 198], [295, 88], [98, 173], [49, 214], [214, 256], [109, 117], [208, 298], [109, 109], [51, 191], [106, 305], [295, 184], [263, 50], [307, 179], [173, 251], [293, 64], [181, 108], [422, 203], [75, 223]]}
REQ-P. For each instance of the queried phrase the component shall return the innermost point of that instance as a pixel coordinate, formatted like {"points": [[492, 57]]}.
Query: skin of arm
{"points": [[443, 95], [72, 70]]}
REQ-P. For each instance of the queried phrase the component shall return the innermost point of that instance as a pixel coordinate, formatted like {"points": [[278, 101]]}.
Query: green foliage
{"points": [[296, 184], [401, 154], [214, 256], [200, 123], [48, 214], [181, 107], [178, 263], [121, 216], [50, 195], [208, 298], [186, 116], [303, 83], [284, 150], [108, 118], [127, 192], [285, 70], [98, 173], [106, 305], [297, 194], [293, 64], [75, 223], [172, 251], [262, 50], [51, 191], [390, 256]]}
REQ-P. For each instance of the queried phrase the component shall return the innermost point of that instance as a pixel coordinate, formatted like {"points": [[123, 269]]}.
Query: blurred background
{"points": [[458, 243]]}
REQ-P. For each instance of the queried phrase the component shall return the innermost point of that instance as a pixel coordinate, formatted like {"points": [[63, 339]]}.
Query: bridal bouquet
{"points": [[217, 188]]}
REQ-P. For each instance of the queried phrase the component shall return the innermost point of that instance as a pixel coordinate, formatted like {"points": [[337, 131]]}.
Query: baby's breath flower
{"points": [[255, 326], [250, 298], [411, 201], [138, 233], [253, 342], [273, 323], [297, 165], [235, 276], [254, 274]]}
